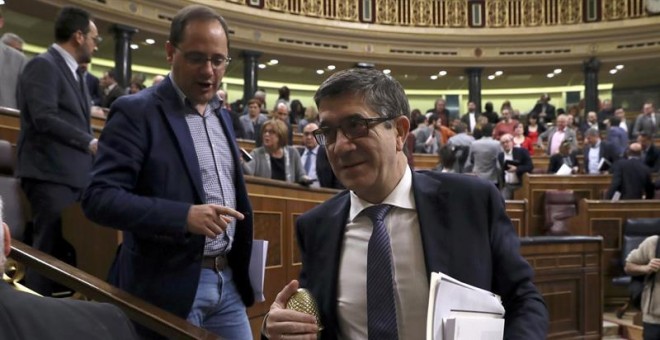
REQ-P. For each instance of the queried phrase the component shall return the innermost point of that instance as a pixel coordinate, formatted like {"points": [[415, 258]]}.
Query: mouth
{"points": [[205, 85]]}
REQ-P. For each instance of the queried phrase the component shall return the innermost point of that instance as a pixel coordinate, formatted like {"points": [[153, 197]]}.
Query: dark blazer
{"points": [[607, 151], [557, 160], [324, 173], [144, 181], [110, 98], [521, 156], [28, 316], [652, 159], [549, 112], [479, 248], [53, 144], [466, 120], [93, 88], [632, 179]]}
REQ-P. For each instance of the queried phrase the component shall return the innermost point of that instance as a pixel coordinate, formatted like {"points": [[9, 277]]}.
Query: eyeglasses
{"points": [[352, 128], [198, 59]]}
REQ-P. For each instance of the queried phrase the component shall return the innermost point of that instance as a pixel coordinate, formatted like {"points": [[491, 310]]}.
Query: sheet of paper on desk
{"points": [[564, 170], [451, 299], [258, 268]]}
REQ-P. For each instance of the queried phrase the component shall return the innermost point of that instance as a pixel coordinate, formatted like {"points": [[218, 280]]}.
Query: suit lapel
{"points": [[173, 109], [75, 85], [431, 202]]}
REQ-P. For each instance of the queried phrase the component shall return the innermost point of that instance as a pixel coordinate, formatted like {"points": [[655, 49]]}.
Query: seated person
{"points": [[275, 159], [564, 156], [28, 316], [447, 159]]}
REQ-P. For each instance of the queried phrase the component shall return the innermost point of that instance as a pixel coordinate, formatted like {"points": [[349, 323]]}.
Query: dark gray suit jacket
{"points": [[465, 234], [28, 316], [53, 144]]}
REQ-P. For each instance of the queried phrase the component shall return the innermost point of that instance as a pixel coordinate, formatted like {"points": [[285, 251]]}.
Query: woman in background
{"points": [[521, 141], [275, 159], [532, 130]]}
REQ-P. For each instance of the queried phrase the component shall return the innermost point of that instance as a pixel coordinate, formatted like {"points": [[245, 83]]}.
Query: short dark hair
{"points": [[615, 121], [284, 92], [194, 13], [380, 92], [69, 21], [487, 130], [460, 127]]}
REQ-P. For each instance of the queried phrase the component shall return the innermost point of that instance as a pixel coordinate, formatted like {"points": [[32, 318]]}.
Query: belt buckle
{"points": [[219, 263]]}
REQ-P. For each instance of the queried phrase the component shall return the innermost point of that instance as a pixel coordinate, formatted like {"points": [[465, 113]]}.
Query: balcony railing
{"points": [[459, 13]]}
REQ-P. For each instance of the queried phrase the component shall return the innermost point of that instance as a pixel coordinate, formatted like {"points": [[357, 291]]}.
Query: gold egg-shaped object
{"points": [[303, 301]]}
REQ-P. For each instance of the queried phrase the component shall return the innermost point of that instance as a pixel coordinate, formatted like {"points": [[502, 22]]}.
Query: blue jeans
{"points": [[218, 307]]}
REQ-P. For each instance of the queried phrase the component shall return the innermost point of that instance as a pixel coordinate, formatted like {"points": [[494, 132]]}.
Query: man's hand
{"points": [[210, 219], [512, 168], [653, 266], [93, 146], [285, 323]]}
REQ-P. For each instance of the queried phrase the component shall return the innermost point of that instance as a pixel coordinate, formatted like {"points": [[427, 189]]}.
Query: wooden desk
{"points": [[567, 273], [541, 162], [424, 161], [535, 185], [606, 219]]}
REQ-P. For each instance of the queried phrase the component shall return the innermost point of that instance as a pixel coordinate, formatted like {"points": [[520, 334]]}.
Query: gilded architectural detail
{"points": [[421, 12], [496, 13], [532, 12], [347, 9], [456, 13], [387, 12], [313, 8], [615, 9], [277, 5], [570, 12]]}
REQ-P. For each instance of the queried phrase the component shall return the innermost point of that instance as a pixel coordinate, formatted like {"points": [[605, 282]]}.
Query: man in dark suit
{"points": [[650, 153], [470, 118], [28, 316], [514, 162], [317, 167], [168, 174], [631, 178], [417, 221], [598, 155], [55, 145], [93, 86], [111, 89], [544, 110]]}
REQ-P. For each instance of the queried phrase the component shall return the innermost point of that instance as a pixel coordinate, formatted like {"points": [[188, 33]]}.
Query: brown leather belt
{"points": [[216, 263]]}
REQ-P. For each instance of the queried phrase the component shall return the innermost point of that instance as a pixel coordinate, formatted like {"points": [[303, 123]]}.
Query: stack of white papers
{"points": [[258, 268], [459, 311], [564, 170]]}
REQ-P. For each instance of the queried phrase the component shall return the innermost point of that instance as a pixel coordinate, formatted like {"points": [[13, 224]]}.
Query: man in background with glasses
{"points": [[367, 253], [56, 145], [168, 175]]}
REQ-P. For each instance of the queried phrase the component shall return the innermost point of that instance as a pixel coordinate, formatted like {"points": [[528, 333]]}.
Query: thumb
{"points": [[286, 293]]}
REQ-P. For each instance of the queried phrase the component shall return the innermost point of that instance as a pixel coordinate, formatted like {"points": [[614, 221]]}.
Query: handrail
{"points": [[148, 315]]}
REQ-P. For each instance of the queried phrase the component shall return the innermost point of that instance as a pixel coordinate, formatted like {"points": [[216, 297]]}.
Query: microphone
{"points": [[303, 301]]}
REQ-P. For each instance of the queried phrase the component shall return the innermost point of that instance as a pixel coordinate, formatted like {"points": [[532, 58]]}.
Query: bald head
{"points": [[635, 150]]}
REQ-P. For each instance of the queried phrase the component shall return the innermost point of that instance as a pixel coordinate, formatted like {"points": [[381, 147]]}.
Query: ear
{"points": [[169, 51], [402, 128], [7, 243]]}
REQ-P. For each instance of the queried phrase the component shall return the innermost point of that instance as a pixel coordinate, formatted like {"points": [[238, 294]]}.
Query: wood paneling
{"points": [[425, 161], [567, 273], [606, 219]]}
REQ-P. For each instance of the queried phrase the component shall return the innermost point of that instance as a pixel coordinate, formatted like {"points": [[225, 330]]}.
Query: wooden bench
{"points": [[535, 185]]}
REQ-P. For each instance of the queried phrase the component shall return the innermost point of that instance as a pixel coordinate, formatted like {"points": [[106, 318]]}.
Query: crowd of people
{"points": [[497, 147], [168, 172]]}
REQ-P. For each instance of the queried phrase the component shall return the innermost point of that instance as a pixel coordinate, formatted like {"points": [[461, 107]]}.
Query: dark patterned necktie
{"points": [[381, 307]]}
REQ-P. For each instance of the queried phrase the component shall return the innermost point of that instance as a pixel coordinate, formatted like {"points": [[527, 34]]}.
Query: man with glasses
{"points": [[56, 144], [367, 253], [315, 160], [168, 174]]}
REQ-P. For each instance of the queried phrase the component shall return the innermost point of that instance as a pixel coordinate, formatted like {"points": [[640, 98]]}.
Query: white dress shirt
{"points": [[510, 177], [313, 153], [410, 277]]}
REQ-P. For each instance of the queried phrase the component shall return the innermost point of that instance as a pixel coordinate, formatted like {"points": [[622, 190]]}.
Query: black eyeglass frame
{"points": [[198, 59], [321, 134]]}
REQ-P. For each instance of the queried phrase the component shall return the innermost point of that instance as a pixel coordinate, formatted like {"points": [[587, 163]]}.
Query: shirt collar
{"points": [[400, 197], [315, 150], [68, 58], [215, 101]]}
